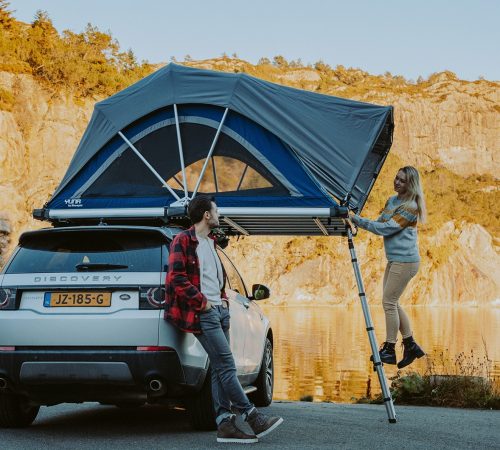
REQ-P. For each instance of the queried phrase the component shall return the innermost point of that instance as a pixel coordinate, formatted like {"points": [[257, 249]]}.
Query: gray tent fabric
{"points": [[334, 137]]}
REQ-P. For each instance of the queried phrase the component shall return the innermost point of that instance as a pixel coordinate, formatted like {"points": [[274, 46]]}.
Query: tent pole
{"points": [[210, 152], [377, 364], [149, 166], [181, 152]]}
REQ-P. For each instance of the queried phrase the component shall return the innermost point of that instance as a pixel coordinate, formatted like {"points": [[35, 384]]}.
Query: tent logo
{"points": [[73, 203]]}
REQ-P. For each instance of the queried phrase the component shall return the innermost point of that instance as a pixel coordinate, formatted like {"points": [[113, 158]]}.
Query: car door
{"points": [[238, 305], [251, 320]]}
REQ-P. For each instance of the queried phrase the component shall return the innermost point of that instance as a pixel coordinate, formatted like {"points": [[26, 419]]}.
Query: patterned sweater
{"points": [[398, 225]]}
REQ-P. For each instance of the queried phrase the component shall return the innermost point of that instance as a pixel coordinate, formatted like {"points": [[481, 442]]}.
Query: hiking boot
{"points": [[227, 431], [387, 353], [262, 424], [411, 351]]}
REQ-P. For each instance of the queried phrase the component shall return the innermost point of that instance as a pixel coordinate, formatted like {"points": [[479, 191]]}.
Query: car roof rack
{"points": [[253, 221]]}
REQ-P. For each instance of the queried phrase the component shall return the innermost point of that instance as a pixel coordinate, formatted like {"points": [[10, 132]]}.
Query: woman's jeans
{"points": [[226, 388], [396, 278]]}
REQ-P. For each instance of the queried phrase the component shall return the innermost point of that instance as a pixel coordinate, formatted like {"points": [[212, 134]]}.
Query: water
{"points": [[324, 352]]}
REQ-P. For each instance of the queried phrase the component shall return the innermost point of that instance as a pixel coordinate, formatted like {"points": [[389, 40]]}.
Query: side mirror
{"points": [[260, 292]]}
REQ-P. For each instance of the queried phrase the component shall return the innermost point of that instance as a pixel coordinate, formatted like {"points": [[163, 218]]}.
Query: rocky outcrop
{"points": [[468, 270], [37, 140], [452, 124]]}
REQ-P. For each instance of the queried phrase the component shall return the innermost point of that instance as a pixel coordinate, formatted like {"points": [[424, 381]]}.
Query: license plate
{"points": [[81, 299]]}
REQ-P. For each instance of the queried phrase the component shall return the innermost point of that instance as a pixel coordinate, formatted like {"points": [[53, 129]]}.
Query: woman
{"points": [[398, 225]]}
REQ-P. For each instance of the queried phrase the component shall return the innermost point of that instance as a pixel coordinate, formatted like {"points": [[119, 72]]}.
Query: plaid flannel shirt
{"points": [[184, 299]]}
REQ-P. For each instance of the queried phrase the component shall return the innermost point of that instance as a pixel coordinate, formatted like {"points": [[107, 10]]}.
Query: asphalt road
{"points": [[306, 426]]}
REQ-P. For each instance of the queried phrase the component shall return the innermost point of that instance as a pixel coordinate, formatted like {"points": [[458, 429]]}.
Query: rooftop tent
{"points": [[279, 160], [252, 143]]}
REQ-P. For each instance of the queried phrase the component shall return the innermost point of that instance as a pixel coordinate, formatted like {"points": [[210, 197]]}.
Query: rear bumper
{"points": [[103, 369]]}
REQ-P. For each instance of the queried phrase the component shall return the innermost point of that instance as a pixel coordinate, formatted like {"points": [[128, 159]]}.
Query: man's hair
{"points": [[198, 206]]}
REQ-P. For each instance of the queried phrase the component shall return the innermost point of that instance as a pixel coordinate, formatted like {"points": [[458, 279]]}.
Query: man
{"points": [[196, 303]]}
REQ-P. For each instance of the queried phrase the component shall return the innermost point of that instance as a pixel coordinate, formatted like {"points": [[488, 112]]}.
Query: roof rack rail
{"points": [[234, 220]]}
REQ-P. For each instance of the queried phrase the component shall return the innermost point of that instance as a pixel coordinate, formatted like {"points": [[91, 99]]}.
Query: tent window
{"points": [[223, 174], [232, 167]]}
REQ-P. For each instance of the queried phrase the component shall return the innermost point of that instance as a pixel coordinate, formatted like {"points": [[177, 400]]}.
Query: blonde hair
{"points": [[414, 191]]}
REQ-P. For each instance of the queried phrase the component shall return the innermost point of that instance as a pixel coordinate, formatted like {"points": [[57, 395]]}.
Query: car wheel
{"points": [[201, 408], [16, 411], [264, 383]]}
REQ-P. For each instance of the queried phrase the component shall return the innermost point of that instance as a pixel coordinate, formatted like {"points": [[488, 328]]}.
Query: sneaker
{"points": [[227, 431], [262, 424]]}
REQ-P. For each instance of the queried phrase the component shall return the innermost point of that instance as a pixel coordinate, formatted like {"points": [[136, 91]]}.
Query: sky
{"points": [[408, 38]]}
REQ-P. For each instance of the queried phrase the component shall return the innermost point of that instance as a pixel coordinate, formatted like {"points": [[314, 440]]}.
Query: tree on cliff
{"points": [[89, 63]]}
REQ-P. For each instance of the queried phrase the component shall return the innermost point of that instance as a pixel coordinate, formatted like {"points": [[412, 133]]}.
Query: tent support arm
{"points": [[321, 226], [242, 176], [181, 152], [149, 166], [214, 172], [377, 364], [210, 152], [233, 224]]}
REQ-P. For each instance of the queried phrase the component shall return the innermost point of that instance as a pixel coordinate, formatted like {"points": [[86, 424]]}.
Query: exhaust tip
{"points": [[155, 385], [3, 383]]}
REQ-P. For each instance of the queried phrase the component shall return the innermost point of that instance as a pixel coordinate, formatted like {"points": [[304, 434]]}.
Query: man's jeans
{"points": [[226, 388]]}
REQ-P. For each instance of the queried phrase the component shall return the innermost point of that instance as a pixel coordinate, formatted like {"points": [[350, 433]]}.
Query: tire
{"points": [[201, 408], [264, 383], [16, 411]]}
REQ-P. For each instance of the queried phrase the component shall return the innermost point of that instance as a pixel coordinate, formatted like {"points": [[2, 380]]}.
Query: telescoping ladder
{"points": [[377, 363]]}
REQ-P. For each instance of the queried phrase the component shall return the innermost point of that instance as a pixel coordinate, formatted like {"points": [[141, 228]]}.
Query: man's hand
{"points": [[208, 306]]}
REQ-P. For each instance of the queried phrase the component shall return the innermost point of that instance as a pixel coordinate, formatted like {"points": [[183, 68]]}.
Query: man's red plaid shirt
{"points": [[184, 299]]}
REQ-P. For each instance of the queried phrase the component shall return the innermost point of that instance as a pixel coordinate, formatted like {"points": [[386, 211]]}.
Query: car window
{"points": [[89, 250], [233, 277]]}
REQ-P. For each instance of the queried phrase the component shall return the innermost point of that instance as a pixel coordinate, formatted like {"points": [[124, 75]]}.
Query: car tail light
{"points": [[151, 297], [154, 349], [7, 349], [8, 298]]}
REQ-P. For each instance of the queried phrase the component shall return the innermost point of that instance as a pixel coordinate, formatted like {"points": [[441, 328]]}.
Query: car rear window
{"points": [[89, 251]]}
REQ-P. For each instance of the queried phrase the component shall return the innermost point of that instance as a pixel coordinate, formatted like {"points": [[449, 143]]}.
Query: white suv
{"points": [[81, 319]]}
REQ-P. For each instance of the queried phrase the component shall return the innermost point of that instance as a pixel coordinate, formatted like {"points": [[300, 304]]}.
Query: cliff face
{"points": [[447, 127], [37, 140], [453, 124]]}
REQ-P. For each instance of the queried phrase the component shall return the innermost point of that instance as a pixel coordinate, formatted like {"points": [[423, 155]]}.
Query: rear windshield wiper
{"points": [[99, 266]]}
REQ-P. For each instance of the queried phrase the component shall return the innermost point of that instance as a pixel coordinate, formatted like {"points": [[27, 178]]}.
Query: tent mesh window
{"points": [[223, 174], [231, 169]]}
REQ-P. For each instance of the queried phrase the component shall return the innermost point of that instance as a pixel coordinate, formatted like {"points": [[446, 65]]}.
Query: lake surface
{"points": [[324, 352]]}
